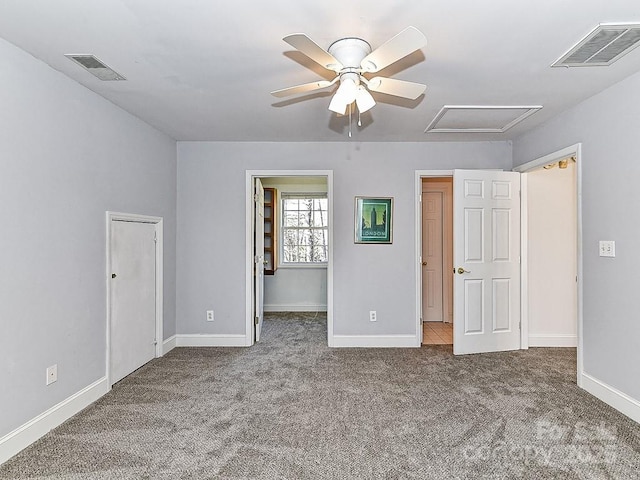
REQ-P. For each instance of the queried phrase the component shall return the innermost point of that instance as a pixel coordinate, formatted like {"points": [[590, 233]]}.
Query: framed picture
{"points": [[374, 220]]}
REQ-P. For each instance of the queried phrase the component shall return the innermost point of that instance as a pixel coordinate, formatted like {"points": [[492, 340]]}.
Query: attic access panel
{"points": [[479, 118]]}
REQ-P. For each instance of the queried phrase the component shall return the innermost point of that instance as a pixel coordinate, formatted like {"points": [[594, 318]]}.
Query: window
{"points": [[304, 231]]}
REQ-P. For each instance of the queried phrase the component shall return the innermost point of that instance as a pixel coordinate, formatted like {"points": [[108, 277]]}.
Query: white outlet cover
{"points": [[52, 374], [607, 248]]}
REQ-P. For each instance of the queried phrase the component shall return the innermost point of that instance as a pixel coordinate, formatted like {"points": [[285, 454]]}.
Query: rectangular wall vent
{"points": [[95, 67], [602, 46]]}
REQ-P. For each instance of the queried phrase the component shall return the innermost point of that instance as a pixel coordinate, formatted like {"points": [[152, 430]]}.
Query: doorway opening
{"points": [[437, 261], [552, 251], [290, 267], [486, 258]]}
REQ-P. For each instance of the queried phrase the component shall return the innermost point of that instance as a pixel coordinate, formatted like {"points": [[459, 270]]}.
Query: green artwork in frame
{"points": [[374, 220]]}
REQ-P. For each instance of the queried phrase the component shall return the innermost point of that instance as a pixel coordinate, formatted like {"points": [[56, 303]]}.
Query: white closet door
{"points": [[133, 301]]}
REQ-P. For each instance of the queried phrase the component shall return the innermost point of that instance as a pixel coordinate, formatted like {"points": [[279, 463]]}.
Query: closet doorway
{"points": [[293, 282], [437, 260]]}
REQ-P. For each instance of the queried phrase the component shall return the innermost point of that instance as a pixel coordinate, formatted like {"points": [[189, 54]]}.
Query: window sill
{"points": [[295, 266]]}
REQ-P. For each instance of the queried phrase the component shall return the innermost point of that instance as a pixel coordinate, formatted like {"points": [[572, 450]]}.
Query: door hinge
{"points": [[255, 197], [155, 237], [257, 320]]}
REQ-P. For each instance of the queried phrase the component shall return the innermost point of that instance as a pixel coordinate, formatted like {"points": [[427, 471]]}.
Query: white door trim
{"points": [[419, 175], [158, 222], [575, 151], [524, 264], [250, 175]]}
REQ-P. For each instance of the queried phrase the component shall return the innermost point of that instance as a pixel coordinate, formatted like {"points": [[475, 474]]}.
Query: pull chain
{"points": [[350, 120], [359, 119]]}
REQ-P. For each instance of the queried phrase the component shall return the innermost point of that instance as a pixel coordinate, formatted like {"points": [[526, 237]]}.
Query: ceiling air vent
{"points": [[602, 46], [95, 67]]}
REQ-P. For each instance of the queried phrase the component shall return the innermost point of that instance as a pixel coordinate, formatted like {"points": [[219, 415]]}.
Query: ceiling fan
{"points": [[351, 58]]}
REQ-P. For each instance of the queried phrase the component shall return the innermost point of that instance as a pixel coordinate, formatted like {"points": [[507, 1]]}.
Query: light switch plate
{"points": [[607, 248]]}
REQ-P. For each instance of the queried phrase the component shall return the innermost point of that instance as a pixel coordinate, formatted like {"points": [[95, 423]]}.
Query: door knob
{"points": [[424, 263], [113, 275], [462, 270]]}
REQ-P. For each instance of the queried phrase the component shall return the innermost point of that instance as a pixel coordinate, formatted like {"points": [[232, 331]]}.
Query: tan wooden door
{"points": [[437, 250]]}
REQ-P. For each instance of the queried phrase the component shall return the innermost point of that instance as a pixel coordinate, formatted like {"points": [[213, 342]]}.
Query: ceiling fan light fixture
{"points": [[338, 105], [348, 88], [346, 93], [364, 100]]}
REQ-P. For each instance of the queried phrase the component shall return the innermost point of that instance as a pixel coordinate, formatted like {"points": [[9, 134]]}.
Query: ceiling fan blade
{"points": [[314, 51], [407, 41], [306, 87], [398, 88]]}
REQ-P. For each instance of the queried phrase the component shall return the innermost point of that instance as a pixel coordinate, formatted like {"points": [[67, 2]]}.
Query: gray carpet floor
{"points": [[291, 408]]}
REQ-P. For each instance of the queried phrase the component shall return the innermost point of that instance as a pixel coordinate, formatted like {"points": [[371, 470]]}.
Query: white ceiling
{"points": [[203, 70]]}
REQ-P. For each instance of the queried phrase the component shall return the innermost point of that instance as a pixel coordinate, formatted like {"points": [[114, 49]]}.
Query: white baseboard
{"points": [[611, 396], [35, 428], [375, 341], [168, 345], [295, 308], [210, 340], [553, 340]]}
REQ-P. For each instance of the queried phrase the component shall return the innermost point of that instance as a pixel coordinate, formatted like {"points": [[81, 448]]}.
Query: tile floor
{"points": [[437, 333]]}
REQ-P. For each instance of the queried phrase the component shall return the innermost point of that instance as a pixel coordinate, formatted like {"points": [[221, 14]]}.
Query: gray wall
{"points": [[66, 157], [296, 289], [211, 226], [607, 125]]}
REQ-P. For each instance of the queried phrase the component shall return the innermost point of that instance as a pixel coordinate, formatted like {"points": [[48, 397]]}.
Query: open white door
{"points": [[259, 257], [486, 260]]}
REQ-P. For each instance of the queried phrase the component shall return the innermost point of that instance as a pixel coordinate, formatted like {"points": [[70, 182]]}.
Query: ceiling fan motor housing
{"points": [[350, 52]]}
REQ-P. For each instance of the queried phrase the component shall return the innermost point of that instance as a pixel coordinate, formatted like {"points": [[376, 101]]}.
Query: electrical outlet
{"points": [[209, 315], [52, 374], [607, 248], [373, 317]]}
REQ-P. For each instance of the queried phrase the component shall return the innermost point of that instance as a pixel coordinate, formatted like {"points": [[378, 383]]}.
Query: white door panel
{"points": [[259, 258], [133, 300], [486, 261]]}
